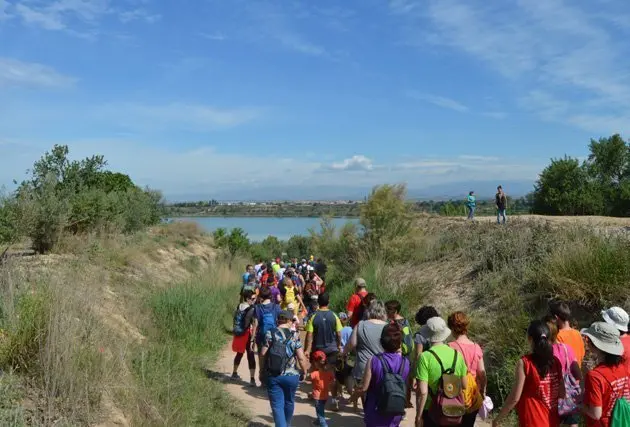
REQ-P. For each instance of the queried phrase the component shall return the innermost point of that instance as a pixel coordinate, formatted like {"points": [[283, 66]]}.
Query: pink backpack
{"points": [[448, 406]]}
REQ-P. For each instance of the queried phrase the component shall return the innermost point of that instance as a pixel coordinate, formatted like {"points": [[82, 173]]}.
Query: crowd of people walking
{"points": [[370, 354]]}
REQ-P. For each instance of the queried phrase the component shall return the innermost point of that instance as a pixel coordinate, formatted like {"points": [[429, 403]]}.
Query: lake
{"points": [[258, 228]]}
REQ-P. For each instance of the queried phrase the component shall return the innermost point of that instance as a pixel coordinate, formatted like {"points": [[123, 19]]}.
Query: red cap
{"points": [[319, 356]]}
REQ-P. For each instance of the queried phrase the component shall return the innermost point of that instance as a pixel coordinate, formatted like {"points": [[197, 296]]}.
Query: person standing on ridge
{"points": [[471, 204], [501, 202]]}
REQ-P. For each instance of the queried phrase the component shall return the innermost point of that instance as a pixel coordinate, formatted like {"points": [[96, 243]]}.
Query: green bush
{"points": [[63, 196]]}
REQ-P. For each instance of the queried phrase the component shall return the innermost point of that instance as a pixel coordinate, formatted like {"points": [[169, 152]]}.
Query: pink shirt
{"points": [[472, 355]]}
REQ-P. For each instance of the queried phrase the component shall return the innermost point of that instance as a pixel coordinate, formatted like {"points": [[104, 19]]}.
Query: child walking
{"points": [[323, 380]]}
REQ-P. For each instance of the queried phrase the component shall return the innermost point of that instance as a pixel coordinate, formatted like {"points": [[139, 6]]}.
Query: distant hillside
{"points": [[446, 191]]}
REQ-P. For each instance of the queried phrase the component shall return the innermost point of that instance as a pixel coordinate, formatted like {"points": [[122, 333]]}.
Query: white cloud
{"points": [[138, 15], [4, 6], [74, 16], [17, 73], [564, 49], [477, 158], [180, 116], [217, 36], [355, 163], [439, 101], [494, 114]]}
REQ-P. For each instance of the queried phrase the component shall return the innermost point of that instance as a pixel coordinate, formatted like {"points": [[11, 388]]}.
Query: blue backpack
{"points": [[238, 327], [267, 315]]}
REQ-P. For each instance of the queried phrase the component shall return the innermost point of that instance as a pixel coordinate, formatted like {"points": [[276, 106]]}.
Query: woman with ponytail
{"points": [[538, 383]]}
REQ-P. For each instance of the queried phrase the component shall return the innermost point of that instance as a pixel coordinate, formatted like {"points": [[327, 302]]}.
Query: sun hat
{"points": [[605, 337], [435, 330], [343, 316], [617, 317], [360, 283]]}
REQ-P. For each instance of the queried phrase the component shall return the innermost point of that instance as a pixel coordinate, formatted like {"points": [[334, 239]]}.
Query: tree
{"points": [[386, 219], [272, 246], [299, 246], [609, 166], [236, 242], [564, 188]]}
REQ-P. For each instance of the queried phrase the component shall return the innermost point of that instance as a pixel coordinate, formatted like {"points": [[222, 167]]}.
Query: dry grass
{"points": [[73, 323]]}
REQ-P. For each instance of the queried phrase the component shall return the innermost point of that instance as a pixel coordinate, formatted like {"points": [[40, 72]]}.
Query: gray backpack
{"points": [[392, 392]]}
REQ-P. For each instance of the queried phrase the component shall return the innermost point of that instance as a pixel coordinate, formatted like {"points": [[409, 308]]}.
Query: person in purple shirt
{"points": [[391, 340]]}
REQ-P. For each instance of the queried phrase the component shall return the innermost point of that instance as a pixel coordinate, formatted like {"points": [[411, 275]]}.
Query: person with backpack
{"points": [[242, 329], [355, 301], [607, 386], [566, 334], [420, 342], [265, 319], [290, 295], [441, 373], [568, 408], [384, 381], [393, 309], [538, 383], [472, 354], [501, 202], [366, 340], [282, 354], [323, 333], [250, 286]]}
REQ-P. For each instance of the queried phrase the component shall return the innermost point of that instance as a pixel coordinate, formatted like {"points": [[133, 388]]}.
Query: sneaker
{"points": [[235, 377], [252, 383]]}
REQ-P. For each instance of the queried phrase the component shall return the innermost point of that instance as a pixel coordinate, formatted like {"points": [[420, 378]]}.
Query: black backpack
{"points": [[392, 392], [279, 353]]}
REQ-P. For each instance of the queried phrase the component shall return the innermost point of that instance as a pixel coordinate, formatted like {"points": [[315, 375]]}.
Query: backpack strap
{"points": [[438, 359], [384, 364]]}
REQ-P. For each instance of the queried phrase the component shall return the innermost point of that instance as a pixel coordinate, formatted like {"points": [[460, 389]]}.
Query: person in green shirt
{"points": [[428, 370]]}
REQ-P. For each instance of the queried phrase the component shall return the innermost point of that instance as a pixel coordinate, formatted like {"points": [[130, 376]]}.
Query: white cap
{"points": [[617, 317]]}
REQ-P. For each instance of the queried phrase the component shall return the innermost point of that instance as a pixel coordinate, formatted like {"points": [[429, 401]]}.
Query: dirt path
{"points": [[255, 400]]}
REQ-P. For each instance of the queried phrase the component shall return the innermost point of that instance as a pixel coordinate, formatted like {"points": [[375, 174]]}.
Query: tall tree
{"points": [[564, 188]]}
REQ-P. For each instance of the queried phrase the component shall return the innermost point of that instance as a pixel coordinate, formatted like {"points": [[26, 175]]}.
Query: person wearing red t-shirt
{"points": [[610, 379], [617, 317], [354, 313], [538, 383]]}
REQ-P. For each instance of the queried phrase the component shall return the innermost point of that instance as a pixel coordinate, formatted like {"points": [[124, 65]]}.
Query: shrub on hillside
{"points": [[63, 196]]}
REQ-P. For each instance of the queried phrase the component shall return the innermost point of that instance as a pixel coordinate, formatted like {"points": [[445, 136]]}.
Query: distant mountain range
{"points": [[451, 190]]}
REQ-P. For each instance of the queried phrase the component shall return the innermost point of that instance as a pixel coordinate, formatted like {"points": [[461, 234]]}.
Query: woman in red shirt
{"points": [[538, 383], [609, 380]]}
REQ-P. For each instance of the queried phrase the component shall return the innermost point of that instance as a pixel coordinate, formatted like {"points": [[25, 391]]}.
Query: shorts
{"points": [[570, 419], [331, 357]]}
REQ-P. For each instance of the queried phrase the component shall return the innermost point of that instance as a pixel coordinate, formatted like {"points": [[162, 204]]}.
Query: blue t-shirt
{"points": [[346, 333], [245, 278]]}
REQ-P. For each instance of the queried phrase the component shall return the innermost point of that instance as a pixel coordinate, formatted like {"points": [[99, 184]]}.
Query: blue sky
{"points": [[196, 96]]}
